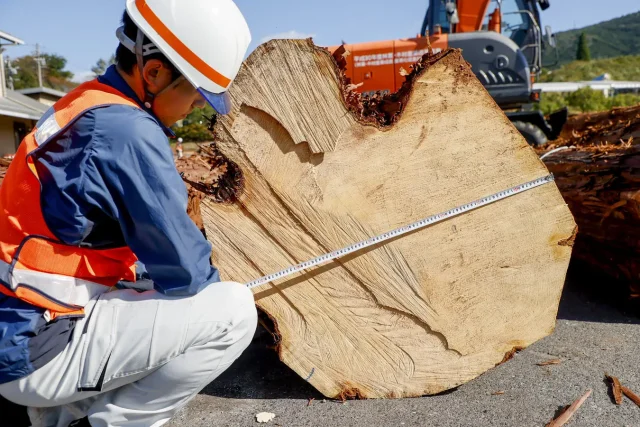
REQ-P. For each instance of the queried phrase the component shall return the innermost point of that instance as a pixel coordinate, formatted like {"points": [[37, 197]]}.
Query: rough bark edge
{"points": [[510, 354], [349, 392], [571, 240], [213, 174], [381, 111]]}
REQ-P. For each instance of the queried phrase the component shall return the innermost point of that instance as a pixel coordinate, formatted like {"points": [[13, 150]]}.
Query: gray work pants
{"points": [[139, 357]]}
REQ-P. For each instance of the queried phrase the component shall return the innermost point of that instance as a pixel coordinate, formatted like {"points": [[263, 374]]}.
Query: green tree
{"points": [[624, 100], [193, 132], [26, 75], [587, 100], [583, 54], [54, 65], [200, 115], [550, 102], [195, 127], [54, 75], [102, 65]]}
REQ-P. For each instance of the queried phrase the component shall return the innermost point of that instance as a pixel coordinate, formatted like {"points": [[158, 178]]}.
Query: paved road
{"points": [[595, 334]]}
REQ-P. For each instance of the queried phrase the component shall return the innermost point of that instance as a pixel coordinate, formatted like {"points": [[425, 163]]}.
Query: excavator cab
{"points": [[518, 20], [503, 42]]}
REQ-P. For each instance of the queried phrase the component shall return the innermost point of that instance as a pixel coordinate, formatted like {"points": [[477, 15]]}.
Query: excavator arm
{"points": [[470, 16]]}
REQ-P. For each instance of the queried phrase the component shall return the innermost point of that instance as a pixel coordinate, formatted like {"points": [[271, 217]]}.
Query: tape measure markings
{"points": [[433, 219]]}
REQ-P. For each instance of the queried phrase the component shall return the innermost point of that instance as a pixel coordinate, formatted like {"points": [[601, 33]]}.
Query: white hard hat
{"points": [[206, 40]]}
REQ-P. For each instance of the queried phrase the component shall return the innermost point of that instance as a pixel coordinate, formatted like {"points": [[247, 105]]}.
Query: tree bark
{"points": [[322, 168]]}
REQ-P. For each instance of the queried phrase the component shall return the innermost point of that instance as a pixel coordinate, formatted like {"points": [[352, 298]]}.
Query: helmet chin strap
{"points": [[141, 50], [148, 96]]}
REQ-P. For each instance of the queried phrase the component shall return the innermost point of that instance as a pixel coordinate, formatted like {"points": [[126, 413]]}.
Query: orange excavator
{"points": [[501, 39]]}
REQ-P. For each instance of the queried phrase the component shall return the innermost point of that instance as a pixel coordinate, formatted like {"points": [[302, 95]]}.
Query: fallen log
{"points": [[323, 168], [598, 173]]}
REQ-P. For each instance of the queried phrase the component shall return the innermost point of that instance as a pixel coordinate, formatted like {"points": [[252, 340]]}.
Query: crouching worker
{"points": [[92, 194]]}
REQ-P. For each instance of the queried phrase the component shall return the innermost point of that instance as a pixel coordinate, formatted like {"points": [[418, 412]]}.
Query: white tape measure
{"points": [[434, 219]]}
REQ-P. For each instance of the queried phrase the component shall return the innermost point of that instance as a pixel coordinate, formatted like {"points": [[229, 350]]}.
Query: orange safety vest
{"points": [[39, 269]]}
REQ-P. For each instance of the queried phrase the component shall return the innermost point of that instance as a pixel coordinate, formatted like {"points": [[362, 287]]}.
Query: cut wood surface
{"points": [[322, 169], [599, 176]]}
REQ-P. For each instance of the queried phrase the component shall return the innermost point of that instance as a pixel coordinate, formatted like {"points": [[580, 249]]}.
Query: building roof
{"points": [[47, 90], [8, 37], [21, 106]]}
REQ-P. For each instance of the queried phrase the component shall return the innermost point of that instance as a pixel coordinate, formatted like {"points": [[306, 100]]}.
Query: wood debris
{"points": [[510, 354], [568, 412], [631, 395], [213, 174], [599, 178], [616, 389], [497, 393], [550, 362]]}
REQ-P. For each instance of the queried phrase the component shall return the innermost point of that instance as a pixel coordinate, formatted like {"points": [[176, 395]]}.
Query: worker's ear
{"points": [[157, 75]]}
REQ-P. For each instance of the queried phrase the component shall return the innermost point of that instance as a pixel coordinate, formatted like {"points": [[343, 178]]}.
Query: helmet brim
{"points": [[221, 102]]}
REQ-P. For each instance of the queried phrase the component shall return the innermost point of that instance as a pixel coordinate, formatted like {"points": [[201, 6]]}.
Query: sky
{"points": [[83, 31]]}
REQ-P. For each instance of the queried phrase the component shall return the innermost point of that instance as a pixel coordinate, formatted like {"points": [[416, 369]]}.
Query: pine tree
{"points": [[584, 54], [102, 65]]}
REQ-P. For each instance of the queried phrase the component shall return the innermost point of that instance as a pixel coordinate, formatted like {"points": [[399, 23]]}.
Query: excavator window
{"points": [[515, 25], [437, 16]]}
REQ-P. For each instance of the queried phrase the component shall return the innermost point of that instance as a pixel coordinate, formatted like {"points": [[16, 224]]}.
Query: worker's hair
{"points": [[126, 59]]}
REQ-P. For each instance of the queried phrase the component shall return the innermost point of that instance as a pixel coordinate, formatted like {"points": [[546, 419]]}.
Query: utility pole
{"points": [[2, 79], [39, 65]]}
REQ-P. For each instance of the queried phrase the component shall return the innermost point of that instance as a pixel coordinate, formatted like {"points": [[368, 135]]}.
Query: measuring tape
{"points": [[434, 219]]}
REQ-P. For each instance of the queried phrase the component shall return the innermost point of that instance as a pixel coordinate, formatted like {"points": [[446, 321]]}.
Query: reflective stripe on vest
{"points": [[34, 265], [63, 290]]}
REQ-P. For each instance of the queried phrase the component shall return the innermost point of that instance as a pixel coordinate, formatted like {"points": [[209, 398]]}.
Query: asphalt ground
{"points": [[597, 332]]}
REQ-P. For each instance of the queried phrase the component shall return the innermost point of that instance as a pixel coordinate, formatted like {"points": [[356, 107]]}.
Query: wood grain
{"points": [[422, 313]]}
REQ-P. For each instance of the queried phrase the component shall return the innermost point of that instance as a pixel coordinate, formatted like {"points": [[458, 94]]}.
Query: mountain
{"points": [[617, 37]]}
